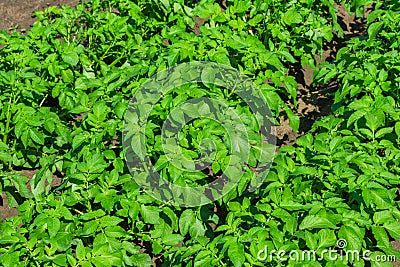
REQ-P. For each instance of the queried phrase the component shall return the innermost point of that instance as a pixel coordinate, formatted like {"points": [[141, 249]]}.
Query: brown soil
{"points": [[396, 246], [315, 101], [19, 12], [6, 211]]}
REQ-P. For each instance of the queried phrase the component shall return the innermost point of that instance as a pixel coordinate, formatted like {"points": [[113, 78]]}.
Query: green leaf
{"points": [[110, 220], [381, 236], [53, 69], [311, 240], [381, 217], [288, 56], [5, 157], [53, 225], [393, 229], [115, 231], [291, 17], [326, 238], [38, 181], [60, 259], [273, 100], [95, 164], [197, 229], [138, 145], [353, 236], [294, 120], [373, 121], [315, 221], [236, 42], [64, 240], [142, 260], [20, 183], [377, 197], [291, 86], [397, 129], [236, 254], [90, 227], [221, 56], [172, 216], [382, 132], [107, 259], [373, 29], [292, 205], [67, 76], [71, 58], [19, 128], [100, 110], [208, 75], [49, 126], [36, 136], [150, 214], [257, 19], [172, 239], [186, 220], [80, 250], [78, 140]]}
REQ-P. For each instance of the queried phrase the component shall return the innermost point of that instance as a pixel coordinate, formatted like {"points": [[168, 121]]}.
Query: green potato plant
{"points": [[65, 88]]}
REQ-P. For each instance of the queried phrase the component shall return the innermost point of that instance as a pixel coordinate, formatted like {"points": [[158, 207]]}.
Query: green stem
{"points": [[8, 119], [117, 60], [12, 149], [41, 103], [106, 52]]}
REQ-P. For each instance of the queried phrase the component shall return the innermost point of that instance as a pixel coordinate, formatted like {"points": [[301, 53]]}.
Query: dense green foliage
{"points": [[65, 87]]}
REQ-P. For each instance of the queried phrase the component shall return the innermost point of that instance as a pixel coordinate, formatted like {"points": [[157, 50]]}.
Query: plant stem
{"points": [[41, 103], [8, 118]]}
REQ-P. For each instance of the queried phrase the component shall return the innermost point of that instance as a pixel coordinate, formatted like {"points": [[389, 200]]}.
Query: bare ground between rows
{"points": [[5, 210], [315, 101], [19, 12]]}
